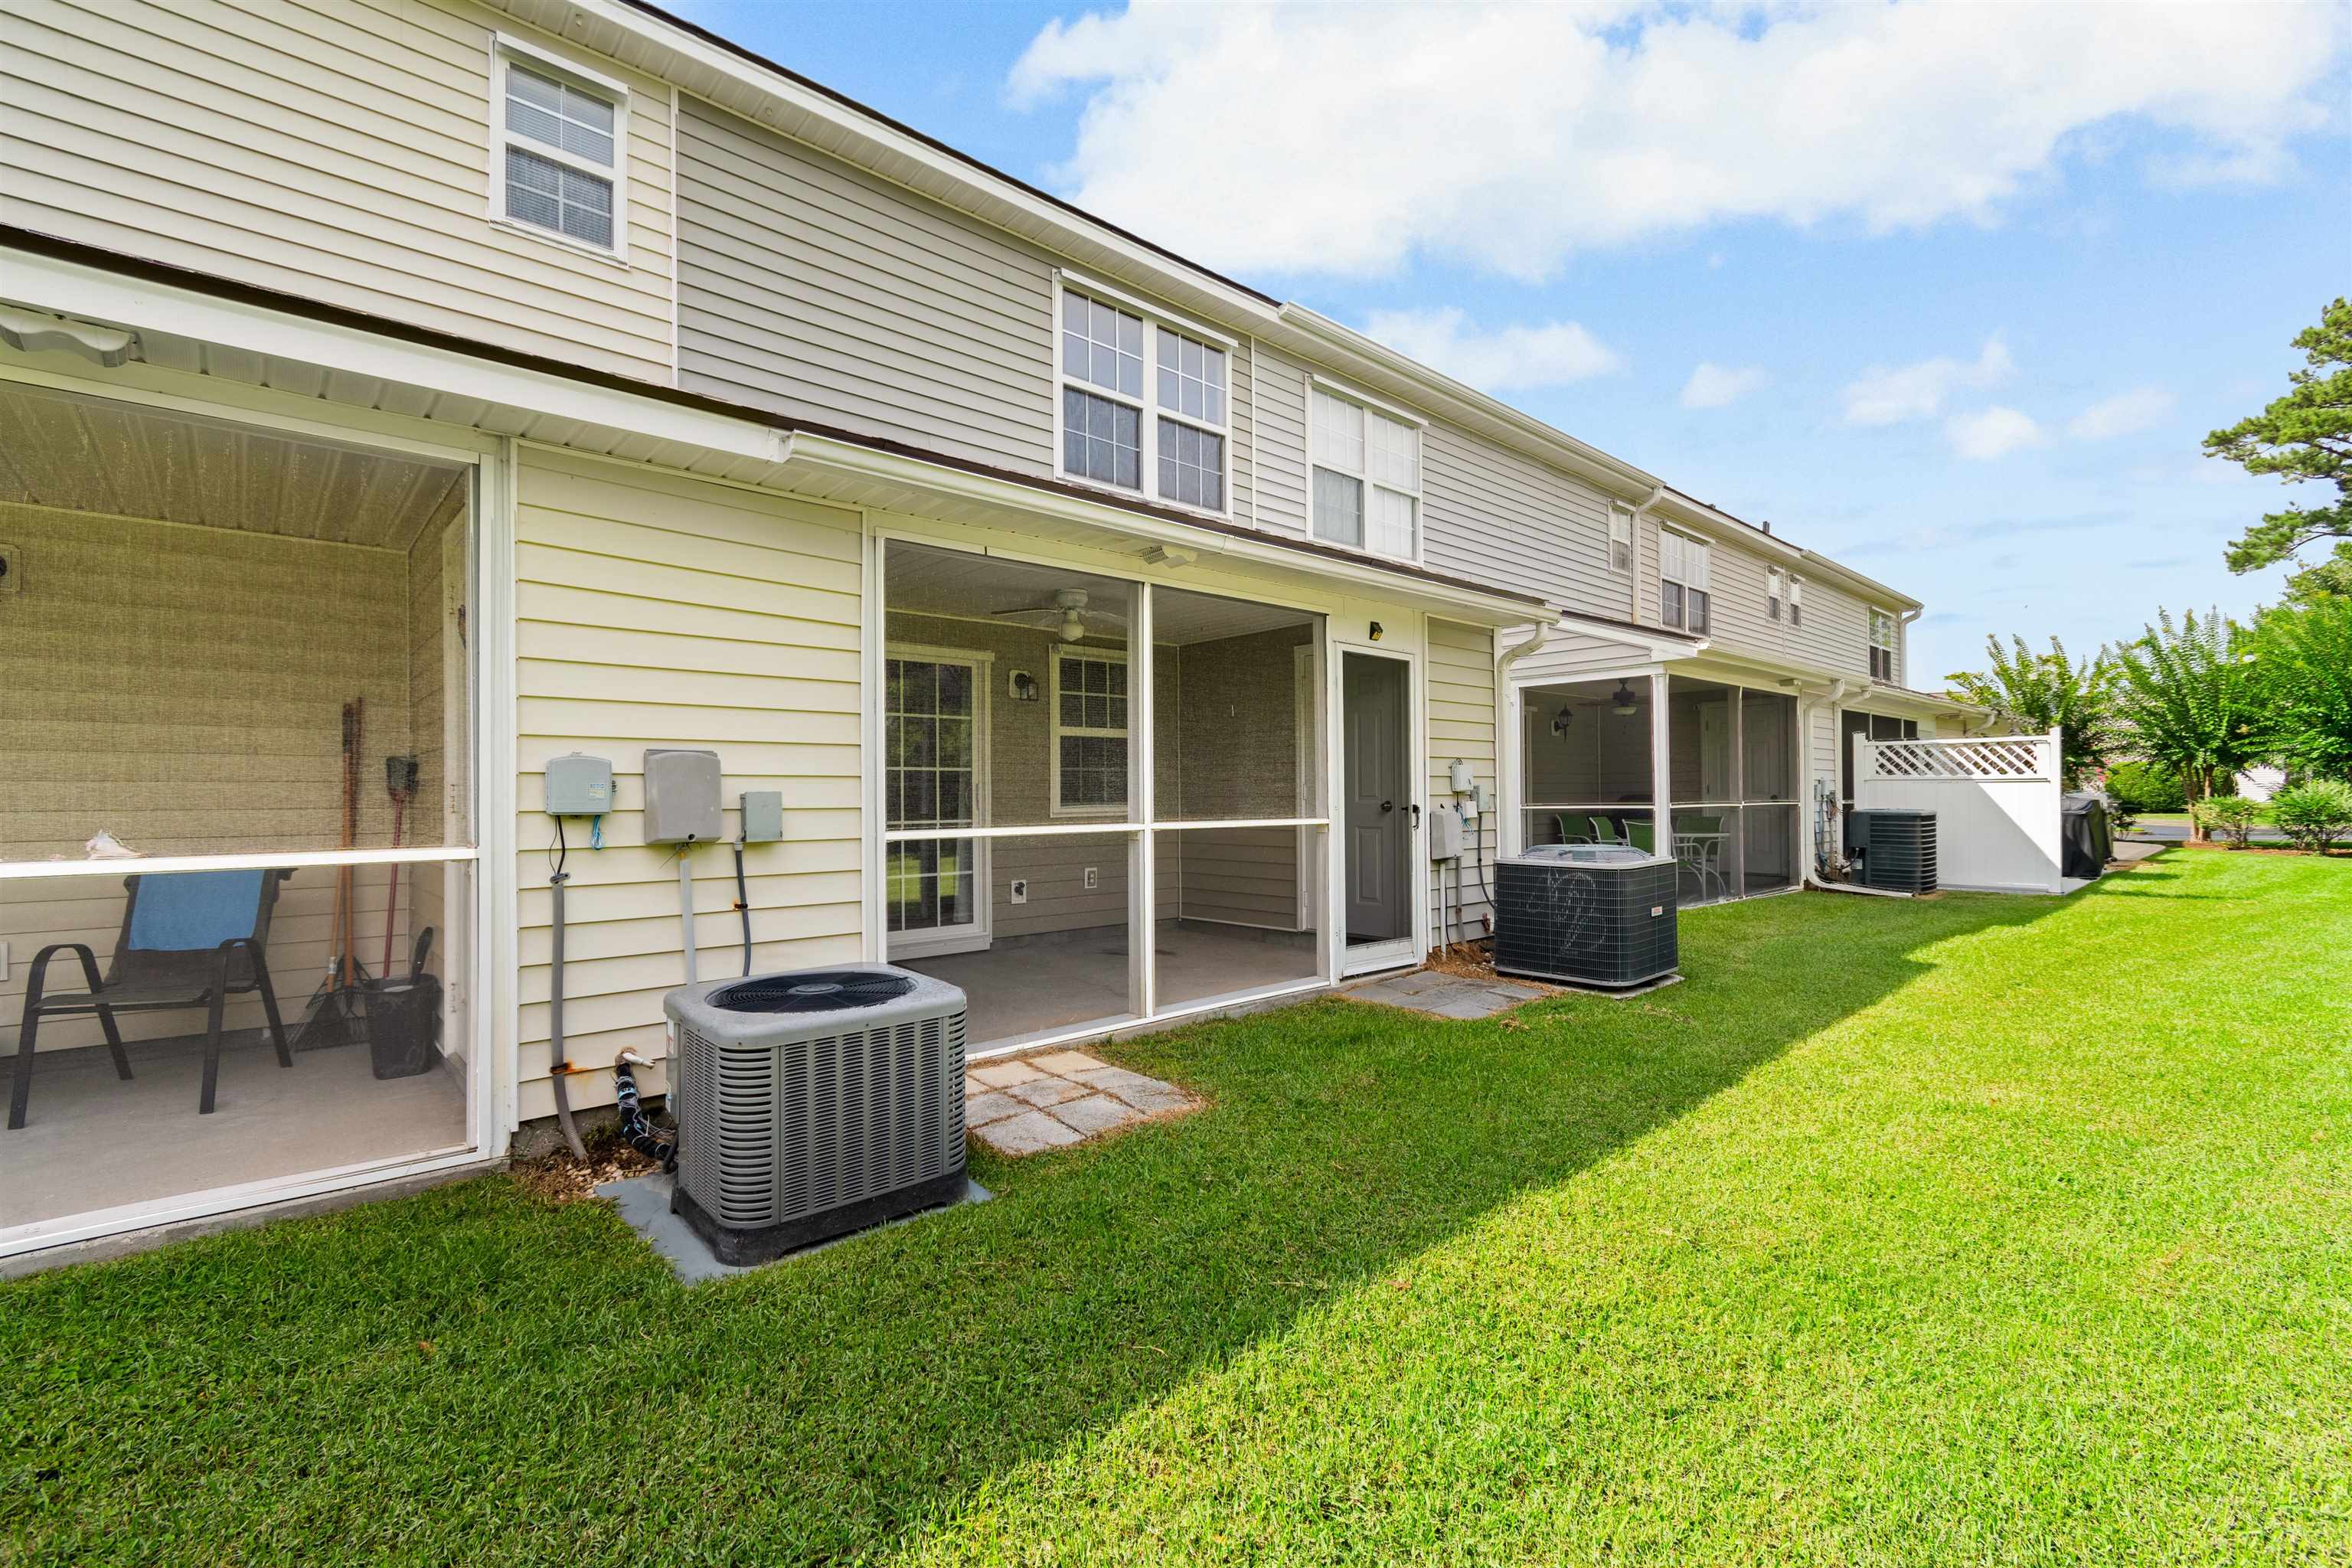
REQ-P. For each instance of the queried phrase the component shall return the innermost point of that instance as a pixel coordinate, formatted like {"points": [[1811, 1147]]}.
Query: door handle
{"points": [[1388, 805], [1416, 816]]}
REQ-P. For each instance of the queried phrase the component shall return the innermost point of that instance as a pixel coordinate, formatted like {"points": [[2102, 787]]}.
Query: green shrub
{"points": [[2314, 815], [2140, 786], [2230, 814]]}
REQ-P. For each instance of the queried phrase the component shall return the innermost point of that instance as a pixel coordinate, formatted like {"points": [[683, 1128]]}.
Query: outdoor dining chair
{"points": [[192, 940], [1604, 831], [1698, 845]]}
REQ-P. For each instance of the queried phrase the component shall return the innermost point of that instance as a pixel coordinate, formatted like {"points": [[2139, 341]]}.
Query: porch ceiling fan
{"points": [[1066, 616]]}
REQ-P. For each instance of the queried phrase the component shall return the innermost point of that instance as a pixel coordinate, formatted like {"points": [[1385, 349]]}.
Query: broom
{"points": [[331, 1014]]}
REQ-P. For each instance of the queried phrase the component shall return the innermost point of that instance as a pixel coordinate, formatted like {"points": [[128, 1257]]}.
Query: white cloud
{"points": [[1712, 385], [1992, 433], [1550, 354], [1883, 397], [1347, 139], [2122, 414]]}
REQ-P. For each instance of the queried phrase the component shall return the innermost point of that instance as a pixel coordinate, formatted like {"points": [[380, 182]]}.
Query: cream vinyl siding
{"points": [[1496, 517], [1281, 424], [1461, 707], [655, 610], [331, 149]]}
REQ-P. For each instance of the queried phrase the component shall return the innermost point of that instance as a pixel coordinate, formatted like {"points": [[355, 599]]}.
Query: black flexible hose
{"points": [[1478, 857], [640, 1132], [743, 907]]}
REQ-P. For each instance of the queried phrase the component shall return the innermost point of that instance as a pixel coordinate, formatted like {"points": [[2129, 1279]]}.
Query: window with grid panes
{"points": [[929, 715], [1090, 733], [563, 155]]}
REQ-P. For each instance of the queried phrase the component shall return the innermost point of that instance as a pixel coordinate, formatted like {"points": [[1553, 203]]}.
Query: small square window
{"points": [[561, 143]]}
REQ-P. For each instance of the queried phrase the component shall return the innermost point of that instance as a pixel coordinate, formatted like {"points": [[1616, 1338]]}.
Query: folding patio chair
{"points": [[193, 940]]}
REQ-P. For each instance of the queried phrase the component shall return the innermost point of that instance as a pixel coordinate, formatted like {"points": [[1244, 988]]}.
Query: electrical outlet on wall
{"points": [[1090, 879], [1020, 890]]}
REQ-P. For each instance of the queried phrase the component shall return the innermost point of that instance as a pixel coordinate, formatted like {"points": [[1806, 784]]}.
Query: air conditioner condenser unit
{"points": [[814, 1102], [1587, 914]]}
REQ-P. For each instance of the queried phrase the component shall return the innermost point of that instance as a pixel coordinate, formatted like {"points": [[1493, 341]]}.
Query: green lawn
{"points": [[1980, 1229]]}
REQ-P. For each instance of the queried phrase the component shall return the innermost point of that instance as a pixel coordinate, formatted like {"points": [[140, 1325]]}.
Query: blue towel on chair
{"points": [[194, 910]]}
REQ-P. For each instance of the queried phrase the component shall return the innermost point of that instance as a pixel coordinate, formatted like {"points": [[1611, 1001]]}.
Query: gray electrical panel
{"points": [[579, 785], [681, 795], [764, 816]]}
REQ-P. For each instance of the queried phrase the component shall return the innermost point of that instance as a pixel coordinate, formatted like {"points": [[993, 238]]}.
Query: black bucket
{"points": [[404, 1019]]}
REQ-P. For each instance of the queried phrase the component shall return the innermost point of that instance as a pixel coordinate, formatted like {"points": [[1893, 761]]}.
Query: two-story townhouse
{"points": [[401, 396]]}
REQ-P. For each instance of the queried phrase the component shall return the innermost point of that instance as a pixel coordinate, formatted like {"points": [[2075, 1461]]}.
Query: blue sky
{"points": [[1973, 280]]}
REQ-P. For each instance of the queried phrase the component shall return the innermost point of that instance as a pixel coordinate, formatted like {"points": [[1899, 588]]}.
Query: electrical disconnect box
{"points": [[764, 816], [579, 785], [1458, 777], [1446, 834], [681, 795]]}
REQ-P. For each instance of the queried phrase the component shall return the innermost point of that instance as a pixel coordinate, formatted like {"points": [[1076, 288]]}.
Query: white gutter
{"points": [[845, 457]]}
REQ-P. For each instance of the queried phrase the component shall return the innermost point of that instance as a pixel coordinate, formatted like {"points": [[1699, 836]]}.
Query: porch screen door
{"points": [[935, 890]]}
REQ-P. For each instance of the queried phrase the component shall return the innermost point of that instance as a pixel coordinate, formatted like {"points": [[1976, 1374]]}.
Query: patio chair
{"points": [[1698, 845], [1604, 831], [1643, 835], [193, 940], [1560, 834]]}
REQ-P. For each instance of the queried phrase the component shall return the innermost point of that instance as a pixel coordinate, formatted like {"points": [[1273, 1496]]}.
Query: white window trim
{"points": [[1056, 730], [1796, 601], [505, 50], [1689, 541], [976, 935], [1345, 393], [1148, 408], [1775, 593], [1621, 531], [1873, 617]]}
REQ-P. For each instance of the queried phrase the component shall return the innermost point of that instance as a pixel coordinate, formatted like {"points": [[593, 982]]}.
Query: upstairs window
{"points": [[1686, 595], [560, 140], [1796, 600], [1621, 540], [1367, 477], [1881, 647], [1772, 592], [1144, 406]]}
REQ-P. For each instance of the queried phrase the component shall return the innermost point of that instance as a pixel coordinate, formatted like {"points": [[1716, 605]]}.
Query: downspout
{"points": [[1634, 577], [1903, 644], [1503, 663]]}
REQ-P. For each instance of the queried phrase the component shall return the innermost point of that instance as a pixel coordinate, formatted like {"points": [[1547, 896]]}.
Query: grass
{"points": [[1972, 1230]]}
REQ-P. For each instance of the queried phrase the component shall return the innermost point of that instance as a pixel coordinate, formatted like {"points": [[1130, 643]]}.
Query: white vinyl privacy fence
{"points": [[1997, 799]]}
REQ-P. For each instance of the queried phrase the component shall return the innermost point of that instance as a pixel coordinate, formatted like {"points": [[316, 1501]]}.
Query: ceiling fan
{"points": [[1067, 617]]}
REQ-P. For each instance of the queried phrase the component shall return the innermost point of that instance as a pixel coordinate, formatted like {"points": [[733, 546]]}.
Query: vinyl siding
{"points": [[1493, 515], [811, 287], [332, 149], [655, 610], [1461, 710], [1281, 424]]}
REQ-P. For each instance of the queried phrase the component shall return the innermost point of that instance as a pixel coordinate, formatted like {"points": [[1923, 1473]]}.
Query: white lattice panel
{"points": [[1990, 758]]}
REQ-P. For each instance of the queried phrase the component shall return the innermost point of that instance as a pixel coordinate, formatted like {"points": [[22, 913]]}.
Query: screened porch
{"points": [[1594, 753], [1088, 825]]}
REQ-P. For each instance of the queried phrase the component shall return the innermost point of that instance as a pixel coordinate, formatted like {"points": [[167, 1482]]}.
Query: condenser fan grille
{"points": [[823, 991]]}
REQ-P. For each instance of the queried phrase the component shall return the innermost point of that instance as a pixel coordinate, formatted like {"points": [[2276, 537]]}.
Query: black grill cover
{"points": [[2086, 840]]}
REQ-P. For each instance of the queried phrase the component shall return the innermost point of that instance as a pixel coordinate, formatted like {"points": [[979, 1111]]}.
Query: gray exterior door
{"points": [[1376, 788]]}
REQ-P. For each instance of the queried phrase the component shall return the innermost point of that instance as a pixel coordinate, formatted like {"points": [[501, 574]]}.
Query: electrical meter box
{"points": [[764, 816], [1446, 834], [579, 785], [681, 795]]}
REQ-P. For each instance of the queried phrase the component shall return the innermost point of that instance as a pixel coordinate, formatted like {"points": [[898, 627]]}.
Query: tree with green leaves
{"points": [[2303, 675], [2038, 692], [2188, 695], [2304, 437]]}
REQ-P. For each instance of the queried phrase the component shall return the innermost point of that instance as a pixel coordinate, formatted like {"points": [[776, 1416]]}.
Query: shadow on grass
{"points": [[471, 1374]]}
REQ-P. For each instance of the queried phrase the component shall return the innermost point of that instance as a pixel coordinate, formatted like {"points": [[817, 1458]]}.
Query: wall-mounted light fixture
{"points": [[1022, 686], [1376, 631]]}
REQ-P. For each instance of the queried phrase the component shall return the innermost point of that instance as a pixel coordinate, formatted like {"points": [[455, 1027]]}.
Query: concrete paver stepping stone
{"points": [[1067, 1063], [1003, 1075], [1027, 1134], [1044, 1091], [990, 1105], [1095, 1113]]}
